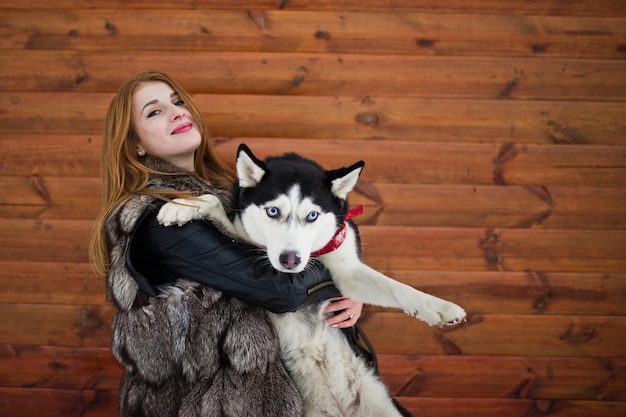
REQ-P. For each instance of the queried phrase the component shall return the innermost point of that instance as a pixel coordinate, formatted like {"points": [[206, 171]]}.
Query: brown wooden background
{"points": [[494, 138]]}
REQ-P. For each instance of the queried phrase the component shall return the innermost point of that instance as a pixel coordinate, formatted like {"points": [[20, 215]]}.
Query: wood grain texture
{"points": [[384, 248], [389, 332], [90, 403], [58, 367], [324, 74], [416, 162], [436, 205], [508, 335], [55, 283], [507, 376], [289, 30], [495, 176], [48, 402], [364, 117], [548, 7], [500, 407], [406, 33], [481, 292], [528, 292]]}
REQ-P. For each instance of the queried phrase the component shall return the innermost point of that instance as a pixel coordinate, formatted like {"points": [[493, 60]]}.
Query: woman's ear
{"points": [[140, 151]]}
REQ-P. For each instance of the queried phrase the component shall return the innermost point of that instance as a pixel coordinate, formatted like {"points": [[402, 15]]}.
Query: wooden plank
{"points": [[322, 74], [55, 403], [56, 325], [504, 377], [480, 292], [371, 118], [59, 367], [385, 204], [548, 7], [505, 407], [50, 282], [393, 248], [409, 119], [406, 376], [384, 247], [490, 206], [389, 332], [499, 334], [45, 240], [439, 163], [28, 402], [528, 292], [33, 155], [72, 403], [50, 197], [385, 32], [425, 162], [402, 162]]}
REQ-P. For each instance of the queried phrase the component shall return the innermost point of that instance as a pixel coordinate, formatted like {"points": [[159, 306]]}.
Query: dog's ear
{"points": [[250, 170], [343, 180]]}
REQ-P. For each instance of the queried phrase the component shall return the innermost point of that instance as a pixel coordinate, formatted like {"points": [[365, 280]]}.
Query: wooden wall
{"points": [[494, 138]]}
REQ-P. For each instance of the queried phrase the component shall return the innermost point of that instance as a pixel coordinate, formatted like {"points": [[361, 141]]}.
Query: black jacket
{"points": [[159, 255]]}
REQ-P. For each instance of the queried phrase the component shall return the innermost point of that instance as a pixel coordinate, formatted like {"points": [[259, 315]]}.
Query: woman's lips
{"points": [[185, 127]]}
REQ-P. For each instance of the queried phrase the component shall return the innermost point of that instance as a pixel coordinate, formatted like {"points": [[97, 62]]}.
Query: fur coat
{"points": [[192, 351]]}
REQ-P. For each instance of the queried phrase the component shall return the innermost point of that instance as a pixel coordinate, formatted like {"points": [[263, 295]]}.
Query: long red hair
{"points": [[124, 174]]}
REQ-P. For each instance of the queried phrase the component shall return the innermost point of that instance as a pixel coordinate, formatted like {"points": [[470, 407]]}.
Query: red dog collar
{"points": [[341, 233]]}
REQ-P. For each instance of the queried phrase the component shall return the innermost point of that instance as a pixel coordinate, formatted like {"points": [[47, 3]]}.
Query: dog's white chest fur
{"points": [[332, 380]]}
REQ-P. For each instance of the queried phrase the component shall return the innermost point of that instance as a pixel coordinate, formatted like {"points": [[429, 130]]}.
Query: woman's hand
{"points": [[347, 312]]}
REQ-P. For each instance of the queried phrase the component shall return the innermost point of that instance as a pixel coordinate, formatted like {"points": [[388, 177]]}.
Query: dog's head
{"points": [[290, 205]]}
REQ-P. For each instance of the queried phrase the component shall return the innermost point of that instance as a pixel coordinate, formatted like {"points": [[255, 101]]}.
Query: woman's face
{"points": [[164, 125]]}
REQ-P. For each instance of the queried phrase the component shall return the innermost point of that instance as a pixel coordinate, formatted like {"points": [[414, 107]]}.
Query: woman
{"points": [[189, 327]]}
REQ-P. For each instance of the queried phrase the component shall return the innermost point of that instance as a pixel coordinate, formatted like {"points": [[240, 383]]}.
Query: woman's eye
{"points": [[179, 103], [312, 216], [272, 212], [153, 113]]}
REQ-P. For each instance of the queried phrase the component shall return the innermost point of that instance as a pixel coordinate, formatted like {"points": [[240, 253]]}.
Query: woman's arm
{"points": [[159, 255]]}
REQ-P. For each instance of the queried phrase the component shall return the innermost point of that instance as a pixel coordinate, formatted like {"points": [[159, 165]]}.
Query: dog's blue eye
{"points": [[272, 212], [312, 216]]}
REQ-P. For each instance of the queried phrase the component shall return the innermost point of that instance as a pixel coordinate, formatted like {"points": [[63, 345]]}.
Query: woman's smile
{"points": [[182, 128]]}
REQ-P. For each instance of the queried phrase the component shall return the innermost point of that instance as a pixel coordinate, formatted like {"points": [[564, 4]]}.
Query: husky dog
{"points": [[295, 210]]}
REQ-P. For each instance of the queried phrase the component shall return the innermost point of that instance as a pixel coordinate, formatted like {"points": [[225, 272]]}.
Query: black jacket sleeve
{"points": [[159, 255]]}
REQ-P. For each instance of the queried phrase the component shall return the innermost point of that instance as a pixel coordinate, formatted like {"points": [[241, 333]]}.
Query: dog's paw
{"points": [[179, 211], [439, 313], [452, 314], [209, 206]]}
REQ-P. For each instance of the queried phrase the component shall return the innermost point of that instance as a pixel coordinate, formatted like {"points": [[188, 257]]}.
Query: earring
{"points": [[140, 153]]}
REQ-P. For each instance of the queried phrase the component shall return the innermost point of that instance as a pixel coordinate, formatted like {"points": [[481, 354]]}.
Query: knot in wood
{"points": [[110, 27], [320, 34], [368, 119], [582, 335], [489, 245], [425, 43]]}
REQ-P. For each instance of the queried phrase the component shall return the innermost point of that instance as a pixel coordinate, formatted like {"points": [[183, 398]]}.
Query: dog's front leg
{"points": [[365, 284], [360, 282]]}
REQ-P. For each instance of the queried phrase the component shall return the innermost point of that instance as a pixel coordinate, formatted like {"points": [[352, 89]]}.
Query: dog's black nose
{"points": [[289, 260]]}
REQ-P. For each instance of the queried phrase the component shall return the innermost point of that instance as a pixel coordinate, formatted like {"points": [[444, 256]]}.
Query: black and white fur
{"points": [[292, 207]]}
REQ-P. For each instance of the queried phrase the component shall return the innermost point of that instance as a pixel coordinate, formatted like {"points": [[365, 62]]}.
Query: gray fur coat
{"points": [[192, 351]]}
